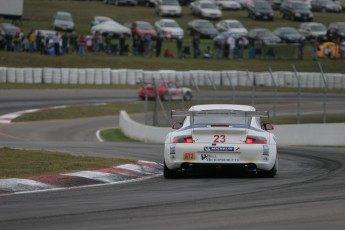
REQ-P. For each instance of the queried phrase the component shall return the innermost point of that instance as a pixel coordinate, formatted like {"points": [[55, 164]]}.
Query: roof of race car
{"points": [[222, 107]]}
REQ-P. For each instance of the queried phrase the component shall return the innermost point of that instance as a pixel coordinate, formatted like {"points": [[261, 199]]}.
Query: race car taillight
{"points": [[256, 140], [183, 139]]}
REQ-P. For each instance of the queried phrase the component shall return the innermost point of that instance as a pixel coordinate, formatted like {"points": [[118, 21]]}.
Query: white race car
{"points": [[215, 137]]}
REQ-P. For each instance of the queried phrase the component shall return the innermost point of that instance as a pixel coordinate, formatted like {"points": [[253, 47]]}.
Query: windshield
{"points": [[64, 17], [264, 33], [205, 25], [317, 28], [171, 24], [220, 118], [262, 5], [299, 6], [208, 6], [170, 2], [289, 31], [235, 25], [144, 26]]}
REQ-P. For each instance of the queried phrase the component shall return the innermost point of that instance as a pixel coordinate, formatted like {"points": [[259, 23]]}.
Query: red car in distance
{"points": [[167, 90], [142, 28]]}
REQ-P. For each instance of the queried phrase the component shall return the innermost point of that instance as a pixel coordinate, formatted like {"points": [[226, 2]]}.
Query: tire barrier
{"points": [[106, 76]]}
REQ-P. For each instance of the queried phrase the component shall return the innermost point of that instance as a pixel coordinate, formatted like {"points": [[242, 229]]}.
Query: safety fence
{"points": [[107, 76]]}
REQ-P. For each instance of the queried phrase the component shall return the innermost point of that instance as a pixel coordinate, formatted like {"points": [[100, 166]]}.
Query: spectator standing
{"points": [[39, 43], [258, 45], [242, 44], [315, 47], [232, 45], [196, 46], [82, 46], [56, 42], [218, 45], [16, 42], [74, 41], [301, 44], [9, 41], [159, 43], [179, 46], [342, 48], [147, 43], [65, 41], [122, 43], [89, 39], [32, 40], [135, 45]]}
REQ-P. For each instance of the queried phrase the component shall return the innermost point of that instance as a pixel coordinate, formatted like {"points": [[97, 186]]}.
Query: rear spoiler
{"points": [[179, 115]]}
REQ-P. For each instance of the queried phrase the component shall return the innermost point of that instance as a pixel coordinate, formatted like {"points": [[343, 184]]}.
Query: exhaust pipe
{"points": [[251, 167]]}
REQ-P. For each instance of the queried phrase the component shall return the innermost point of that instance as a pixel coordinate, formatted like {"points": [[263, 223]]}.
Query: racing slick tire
{"points": [[169, 173], [271, 173]]}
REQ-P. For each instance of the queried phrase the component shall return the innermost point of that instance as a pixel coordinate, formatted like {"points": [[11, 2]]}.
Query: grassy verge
{"points": [[116, 135], [25, 163]]}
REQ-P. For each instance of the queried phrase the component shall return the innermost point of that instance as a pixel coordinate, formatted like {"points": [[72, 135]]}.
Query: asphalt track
{"points": [[308, 192]]}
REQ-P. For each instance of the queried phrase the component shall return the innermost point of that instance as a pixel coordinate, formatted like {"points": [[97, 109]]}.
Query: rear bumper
{"points": [[240, 156]]}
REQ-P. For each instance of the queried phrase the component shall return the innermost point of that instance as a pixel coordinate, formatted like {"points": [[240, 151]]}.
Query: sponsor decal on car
{"points": [[214, 158], [216, 148], [266, 150], [172, 149]]}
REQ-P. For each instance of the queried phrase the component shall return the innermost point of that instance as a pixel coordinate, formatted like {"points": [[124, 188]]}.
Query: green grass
{"points": [[27, 163], [38, 15], [116, 135]]}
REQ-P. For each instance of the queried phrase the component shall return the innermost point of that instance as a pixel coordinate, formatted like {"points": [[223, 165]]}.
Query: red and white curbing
{"points": [[119, 174]]}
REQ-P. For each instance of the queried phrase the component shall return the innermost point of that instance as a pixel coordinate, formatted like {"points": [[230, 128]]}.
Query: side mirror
{"points": [[177, 125], [268, 126]]}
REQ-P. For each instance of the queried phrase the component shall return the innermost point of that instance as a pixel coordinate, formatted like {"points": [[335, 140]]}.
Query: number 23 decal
{"points": [[219, 139]]}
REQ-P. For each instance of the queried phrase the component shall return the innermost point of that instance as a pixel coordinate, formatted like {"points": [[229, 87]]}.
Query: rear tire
{"points": [[169, 173], [271, 173], [187, 96]]}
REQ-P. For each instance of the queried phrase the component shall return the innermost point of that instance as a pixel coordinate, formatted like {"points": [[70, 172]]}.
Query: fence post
{"points": [[275, 95], [252, 84], [213, 85], [324, 93], [299, 96], [232, 86]]}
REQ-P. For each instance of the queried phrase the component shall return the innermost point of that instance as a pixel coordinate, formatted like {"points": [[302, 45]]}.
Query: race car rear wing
{"points": [[240, 113], [180, 115]]}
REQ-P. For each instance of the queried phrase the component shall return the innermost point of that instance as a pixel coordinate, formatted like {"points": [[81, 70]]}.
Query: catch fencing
{"points": [[232, 78]]}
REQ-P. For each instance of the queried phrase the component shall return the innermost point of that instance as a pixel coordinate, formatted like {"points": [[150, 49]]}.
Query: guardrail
{"points": [[106, 76], [301, 134]]}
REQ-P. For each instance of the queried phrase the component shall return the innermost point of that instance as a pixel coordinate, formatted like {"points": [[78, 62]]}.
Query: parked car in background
{"points": [[289, 34], [142, 28], [169, 28], [8, 28], [228, 5], [260, 9], [313, 29], [231, 26], [325, 6], [296, 10], [63, 21], [99, 19], [168, 8], [276, 4], [206, 9], [267, 36], [167, 90], [122, 2], [339, 28], [202, 27], [147, 3]]}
